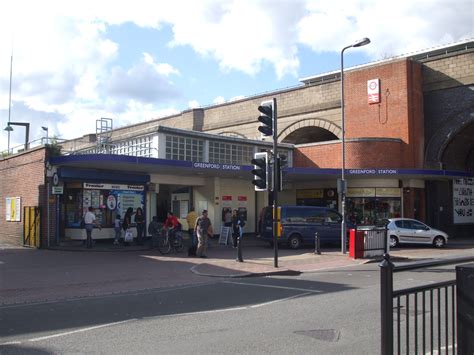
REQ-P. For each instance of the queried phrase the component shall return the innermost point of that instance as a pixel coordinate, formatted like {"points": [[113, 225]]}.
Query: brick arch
{"points": [[232, 134], [311, 122]]}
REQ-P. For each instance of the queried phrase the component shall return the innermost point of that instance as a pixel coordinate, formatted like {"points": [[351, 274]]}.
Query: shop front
{"points": [[372, 205], [107, 200], [109, 194]]}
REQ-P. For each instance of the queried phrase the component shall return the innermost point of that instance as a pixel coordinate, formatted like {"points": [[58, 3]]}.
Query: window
{"points": [[184, 148], [228, 153], [417, 225]]}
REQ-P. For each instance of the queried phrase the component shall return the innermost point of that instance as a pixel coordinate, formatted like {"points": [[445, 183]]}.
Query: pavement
{"points": [[259, 258], [72, 271]]}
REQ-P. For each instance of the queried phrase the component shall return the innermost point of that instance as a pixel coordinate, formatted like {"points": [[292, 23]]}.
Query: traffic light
{"points": [[260, 171], [282, 162], [266, 118]]}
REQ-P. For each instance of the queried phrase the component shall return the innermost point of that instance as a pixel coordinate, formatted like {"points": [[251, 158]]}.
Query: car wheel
{"points": [[439, 242], [294, 241], [393, 241]]}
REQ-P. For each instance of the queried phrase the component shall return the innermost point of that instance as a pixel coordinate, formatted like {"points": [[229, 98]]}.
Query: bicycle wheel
{"points": [[178, 246], [164, 245]]}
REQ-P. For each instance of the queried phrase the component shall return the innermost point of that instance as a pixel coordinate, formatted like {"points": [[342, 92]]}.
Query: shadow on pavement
{"points": [[32, 320]]}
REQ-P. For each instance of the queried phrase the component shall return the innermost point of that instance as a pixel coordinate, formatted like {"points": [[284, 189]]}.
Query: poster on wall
{"points": [[227, 201], [242, 201], [13, 209], [463, 201]]}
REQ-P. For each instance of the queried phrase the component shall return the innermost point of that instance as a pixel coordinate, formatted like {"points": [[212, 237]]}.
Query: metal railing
{"points": [[425, 315]]}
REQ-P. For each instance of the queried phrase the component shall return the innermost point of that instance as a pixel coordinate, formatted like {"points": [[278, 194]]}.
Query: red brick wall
{"points": [[399, 115], [363, 154], [22, 175]]}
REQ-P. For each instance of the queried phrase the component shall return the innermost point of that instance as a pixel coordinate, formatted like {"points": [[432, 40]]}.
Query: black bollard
{"points": [[317, 244], [239, 249]]}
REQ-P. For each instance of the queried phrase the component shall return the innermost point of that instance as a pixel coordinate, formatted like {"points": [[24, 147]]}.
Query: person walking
{"points": [[140, 222], [203, 228], [191, 219], [90, 221]]}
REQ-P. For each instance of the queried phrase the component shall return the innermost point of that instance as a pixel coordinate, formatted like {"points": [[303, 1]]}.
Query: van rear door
{"points": [[333, 224]]}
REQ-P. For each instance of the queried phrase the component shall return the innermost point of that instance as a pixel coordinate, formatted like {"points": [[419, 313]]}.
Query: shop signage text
{"points": [[373, 171], [217, 166], [100, 186], [57, 190], [463, 201]]}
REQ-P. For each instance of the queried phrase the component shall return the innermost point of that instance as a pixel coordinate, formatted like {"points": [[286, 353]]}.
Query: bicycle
{"points": [[166, 243]]}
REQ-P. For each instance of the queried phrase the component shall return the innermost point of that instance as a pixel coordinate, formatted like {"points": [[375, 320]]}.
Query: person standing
{"points": [[154, 229], [227, 218], [140, 222], [191, 219], [117, 229], [127, 221], [238, 224], [203, 228], [89, 221]]}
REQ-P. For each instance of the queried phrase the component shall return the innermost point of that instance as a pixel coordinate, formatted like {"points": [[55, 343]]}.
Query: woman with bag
{"points": [[127, 221]]}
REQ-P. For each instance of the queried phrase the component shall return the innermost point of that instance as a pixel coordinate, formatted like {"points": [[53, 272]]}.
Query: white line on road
{"points": [[273, 286], [280, 300], [69, 333]]}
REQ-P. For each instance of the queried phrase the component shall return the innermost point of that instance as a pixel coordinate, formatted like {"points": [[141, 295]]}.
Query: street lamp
{"points": [[47, 131], [343, 188], [9, 129]]}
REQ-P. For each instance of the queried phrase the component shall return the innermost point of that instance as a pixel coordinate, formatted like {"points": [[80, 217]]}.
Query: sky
{"points": [[75, 62]]}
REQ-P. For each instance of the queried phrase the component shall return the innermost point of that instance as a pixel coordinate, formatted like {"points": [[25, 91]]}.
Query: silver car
{"points": [[411, 231]]}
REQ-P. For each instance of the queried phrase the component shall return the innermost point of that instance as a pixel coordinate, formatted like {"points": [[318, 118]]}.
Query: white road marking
{"points": [[69, 333], [280, 300], [273, 286], [305, 293]]}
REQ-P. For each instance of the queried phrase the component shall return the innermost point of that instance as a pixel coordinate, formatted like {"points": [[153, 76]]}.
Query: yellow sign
{"points": [[314, 193], [388, 192], [361, 192]]}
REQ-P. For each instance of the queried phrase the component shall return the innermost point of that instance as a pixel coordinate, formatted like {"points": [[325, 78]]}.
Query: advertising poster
{"points": [[463, 201], [13, 209], [227, 201]]}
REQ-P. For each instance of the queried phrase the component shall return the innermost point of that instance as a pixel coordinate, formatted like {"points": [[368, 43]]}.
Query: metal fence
{"points": [[419, 319], [375, 242]]}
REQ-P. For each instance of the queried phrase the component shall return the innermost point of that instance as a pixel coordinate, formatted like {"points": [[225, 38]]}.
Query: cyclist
{"points": [[172, 225]]}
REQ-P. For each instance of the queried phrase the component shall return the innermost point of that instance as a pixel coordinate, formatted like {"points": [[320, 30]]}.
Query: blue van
{"points": [[300, 223]]}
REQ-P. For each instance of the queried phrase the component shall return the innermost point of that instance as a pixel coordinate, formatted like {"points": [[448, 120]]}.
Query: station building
{"points": [[409, 126]]}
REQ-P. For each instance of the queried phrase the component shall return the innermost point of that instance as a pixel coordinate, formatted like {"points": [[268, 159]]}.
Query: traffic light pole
{"points": [[275, 183]]}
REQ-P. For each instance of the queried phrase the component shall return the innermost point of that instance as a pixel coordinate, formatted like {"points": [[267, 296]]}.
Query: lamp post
{"points": [[9, 129], [47, 132], [343, 188]]}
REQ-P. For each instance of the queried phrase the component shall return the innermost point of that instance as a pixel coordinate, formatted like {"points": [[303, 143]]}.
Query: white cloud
{"points": [[193, 104], [237, 98], [218, 100], [142, 82], [66, 66]]}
